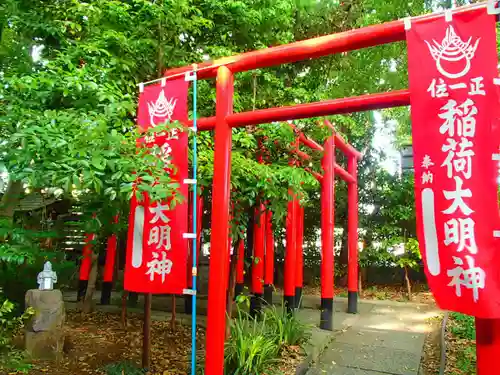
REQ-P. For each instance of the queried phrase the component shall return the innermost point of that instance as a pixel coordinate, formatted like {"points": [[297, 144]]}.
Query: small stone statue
{"points": [[47, 277]]}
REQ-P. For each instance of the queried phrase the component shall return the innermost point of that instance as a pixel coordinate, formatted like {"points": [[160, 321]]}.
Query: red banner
{"points": [[454, 109], [156, 250]]}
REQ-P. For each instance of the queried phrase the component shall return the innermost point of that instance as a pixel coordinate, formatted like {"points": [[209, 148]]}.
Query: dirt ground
{"points": [[420, 293], [97, 340], [460, 347], [432, 348]]}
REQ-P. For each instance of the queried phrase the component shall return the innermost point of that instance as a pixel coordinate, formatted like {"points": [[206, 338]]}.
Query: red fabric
{"points": [[158, 260], [454, 111]]}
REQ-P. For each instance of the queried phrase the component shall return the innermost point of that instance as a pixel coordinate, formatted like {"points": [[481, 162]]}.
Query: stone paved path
{"points": [[386, 338]]}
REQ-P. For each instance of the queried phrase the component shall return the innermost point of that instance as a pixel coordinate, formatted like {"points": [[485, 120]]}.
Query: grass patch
{"points": [[461, 345], [257, 344]]}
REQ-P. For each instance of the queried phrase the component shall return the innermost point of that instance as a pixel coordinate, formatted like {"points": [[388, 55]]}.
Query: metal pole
{"points": [[188, 300], [352, 229], [487, 346], [194, 247], [219, 252], [327, 235], [269, 261]]}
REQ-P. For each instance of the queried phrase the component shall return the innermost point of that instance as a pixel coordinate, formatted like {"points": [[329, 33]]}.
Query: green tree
{"points": [[68, 79]]}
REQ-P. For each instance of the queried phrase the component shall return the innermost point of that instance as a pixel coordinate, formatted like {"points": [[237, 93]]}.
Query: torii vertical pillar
{"points": [[85, 266], [240, 269], [290, 254], [188, 299], [219, 254], [299, 261], [269, 260], [352, 229], [258, 260], [487, 345], [327, 234], [109, 267]]}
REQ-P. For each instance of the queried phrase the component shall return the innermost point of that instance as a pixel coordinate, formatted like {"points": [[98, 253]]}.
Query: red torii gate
{"points": [[223, 122], [263, 242], [331, 169]]}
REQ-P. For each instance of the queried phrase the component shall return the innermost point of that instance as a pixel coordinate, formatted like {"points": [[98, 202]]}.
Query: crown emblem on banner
{"points": [[163, 108], [453, 50]]}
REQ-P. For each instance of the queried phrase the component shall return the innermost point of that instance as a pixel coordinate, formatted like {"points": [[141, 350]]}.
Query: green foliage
{"points": [[67, 122], [289, 330], [375, 256], [256, 343], [17, 279], [67, 116], [10, 324], [251, 348], [463, 326], [22, 258], [19, 245], [121, 368], [392, 223], [411, 256]]}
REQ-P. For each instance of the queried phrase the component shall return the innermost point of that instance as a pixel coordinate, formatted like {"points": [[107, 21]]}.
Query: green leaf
{"points": [[98, 162]]}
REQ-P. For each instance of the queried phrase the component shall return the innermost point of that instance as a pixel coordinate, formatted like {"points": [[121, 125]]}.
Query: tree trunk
{"points": [[10, 199], [408, 284], [87, 305]]}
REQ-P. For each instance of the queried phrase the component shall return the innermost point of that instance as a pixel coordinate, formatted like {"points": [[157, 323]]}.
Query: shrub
{"points": [[289, 331], [252, 348], [22, 258], [10, 325], [463, 326], [256, 343]]}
